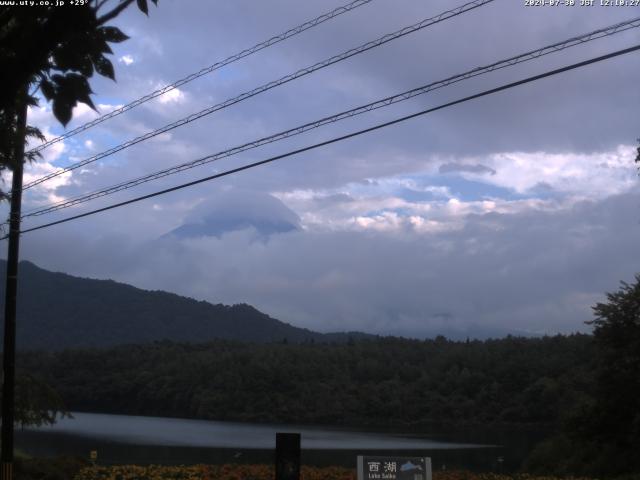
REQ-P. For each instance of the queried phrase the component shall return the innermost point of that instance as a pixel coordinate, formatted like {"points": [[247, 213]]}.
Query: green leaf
{"points": [[34, 132], [104, 47], [64, 58], [142, 5], [78, 89], [67, 57], [32, 101], [85, 98], [85, 67], [62, 110], [104, 67], [113, 34], [71, 89]]}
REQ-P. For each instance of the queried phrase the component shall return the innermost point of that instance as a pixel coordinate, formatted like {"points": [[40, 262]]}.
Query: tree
{"points": [[9, 140], [601, 431], [55, 50], [617, 335], [37, 403]]}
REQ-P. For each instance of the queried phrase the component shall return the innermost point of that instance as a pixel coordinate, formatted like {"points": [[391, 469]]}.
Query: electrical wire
{"points": [[268, 86], [340, 138], [524, 57], [231, 59]]}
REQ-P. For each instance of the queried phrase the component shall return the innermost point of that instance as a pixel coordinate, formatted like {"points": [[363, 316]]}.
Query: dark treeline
{"points": [[525, 381]]}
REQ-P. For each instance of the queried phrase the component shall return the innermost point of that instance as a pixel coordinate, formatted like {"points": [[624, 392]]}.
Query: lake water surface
{"points": [[135, 439], [203, 433]]}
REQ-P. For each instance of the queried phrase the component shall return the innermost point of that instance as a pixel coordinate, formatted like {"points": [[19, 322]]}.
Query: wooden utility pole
{"points": [[11, 291]]}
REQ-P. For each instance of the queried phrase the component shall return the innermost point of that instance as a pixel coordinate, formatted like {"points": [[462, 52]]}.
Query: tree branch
{"points": [[114, 13], [100, 4]]}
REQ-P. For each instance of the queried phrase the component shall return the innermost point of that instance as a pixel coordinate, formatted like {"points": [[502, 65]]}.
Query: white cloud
{"points": [[83, 113], [44, 193], [126, 59], [594, 175], [172, 96], [534, 270], [380, 208], [538, 182]]}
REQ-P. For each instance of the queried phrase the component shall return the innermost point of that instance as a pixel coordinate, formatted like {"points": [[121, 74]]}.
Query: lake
{"points": [[143, 440]]}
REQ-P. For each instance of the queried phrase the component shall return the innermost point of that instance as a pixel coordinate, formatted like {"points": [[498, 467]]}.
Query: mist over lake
{"points": [[203, 433], [156, 440]]}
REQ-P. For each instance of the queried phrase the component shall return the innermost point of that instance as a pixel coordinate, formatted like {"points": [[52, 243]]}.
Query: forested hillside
{"points": [[384, 381], [57, 311]]}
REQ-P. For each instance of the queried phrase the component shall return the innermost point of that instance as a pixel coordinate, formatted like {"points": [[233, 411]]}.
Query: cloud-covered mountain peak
{"points": [[237, 210]]}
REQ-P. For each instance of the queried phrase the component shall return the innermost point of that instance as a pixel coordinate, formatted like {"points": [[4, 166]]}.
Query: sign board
{"points": [[394, 468]]}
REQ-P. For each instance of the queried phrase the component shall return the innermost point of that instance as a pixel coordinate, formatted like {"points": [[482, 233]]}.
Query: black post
{"points": [[287, 456], [11, 290]]}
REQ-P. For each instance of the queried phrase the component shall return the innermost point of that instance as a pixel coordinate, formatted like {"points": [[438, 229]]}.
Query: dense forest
{"points": [[523, 381]]}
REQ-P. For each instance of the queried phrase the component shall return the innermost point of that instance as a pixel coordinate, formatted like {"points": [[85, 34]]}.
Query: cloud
{"points": [[458, 167], [534, 270], [515, 210], [597, 174], [126, 59], [237, 210], [172, 96], [47, 192]]}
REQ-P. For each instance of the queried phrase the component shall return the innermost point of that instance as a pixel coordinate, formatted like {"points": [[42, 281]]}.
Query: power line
{"points": [[268, 86], [531, 55], [341, 138], [233, 58]]}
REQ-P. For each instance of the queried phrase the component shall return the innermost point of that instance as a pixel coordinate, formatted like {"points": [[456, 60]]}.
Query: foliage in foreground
{"points": [[601, 436], [61, 468], [260, 472], [36, 402], [57, 51]]}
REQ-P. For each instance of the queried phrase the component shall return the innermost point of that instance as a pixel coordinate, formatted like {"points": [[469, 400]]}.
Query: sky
{"points": [[513, 213]]}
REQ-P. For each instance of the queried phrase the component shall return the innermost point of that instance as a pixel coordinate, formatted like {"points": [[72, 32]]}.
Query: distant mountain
{"points": [[57, 311], [237, 210], [215, 228]]}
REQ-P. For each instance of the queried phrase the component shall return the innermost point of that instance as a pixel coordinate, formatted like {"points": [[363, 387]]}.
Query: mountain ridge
{"points": [[57, 311]]}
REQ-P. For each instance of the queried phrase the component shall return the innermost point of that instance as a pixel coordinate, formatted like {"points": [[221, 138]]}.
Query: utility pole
{"points": [[11, 290]]}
